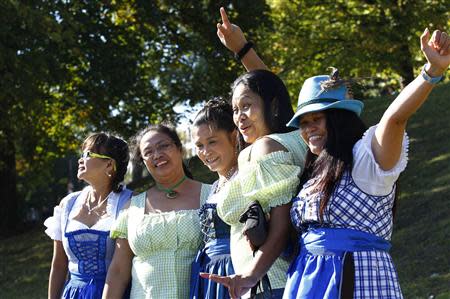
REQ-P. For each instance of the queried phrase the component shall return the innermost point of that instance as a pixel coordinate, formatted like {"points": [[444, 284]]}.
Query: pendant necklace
{"points": [[170, 192], [91, 209]]}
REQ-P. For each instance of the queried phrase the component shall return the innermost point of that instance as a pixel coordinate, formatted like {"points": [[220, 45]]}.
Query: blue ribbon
{"points": [[324, 241], [317, 271]]}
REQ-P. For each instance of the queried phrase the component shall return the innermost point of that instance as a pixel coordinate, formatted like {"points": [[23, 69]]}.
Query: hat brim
{"points": [[352, 105]]}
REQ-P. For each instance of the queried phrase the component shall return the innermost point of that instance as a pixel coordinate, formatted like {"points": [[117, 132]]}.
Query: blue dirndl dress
{"points": [[214, 257], [345, 254], [89, 253]]}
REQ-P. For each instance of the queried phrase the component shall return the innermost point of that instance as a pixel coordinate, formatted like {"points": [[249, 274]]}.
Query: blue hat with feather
{"points": [[324, 92]]}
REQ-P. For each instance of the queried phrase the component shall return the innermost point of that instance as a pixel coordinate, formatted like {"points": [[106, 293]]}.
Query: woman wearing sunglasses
{"points": [[81, 223], [159, 235]]}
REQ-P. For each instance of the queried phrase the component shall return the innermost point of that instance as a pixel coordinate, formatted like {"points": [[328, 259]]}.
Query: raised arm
{"points": [[388, 137], [119, 271], [233, 38]]}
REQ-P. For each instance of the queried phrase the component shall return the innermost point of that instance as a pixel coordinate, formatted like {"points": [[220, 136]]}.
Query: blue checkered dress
{"points": [[351, 207]]}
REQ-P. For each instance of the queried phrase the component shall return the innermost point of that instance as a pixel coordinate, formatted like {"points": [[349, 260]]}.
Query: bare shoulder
{"points": [[265, 146]]}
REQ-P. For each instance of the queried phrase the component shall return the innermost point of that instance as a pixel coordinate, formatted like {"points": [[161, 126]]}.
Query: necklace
{"points": [[170, 192], [220, 183], [99, 204]]}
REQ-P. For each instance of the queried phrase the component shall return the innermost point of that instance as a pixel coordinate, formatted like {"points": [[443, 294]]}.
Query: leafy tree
{"points": [[362, 38], [71, 67]]}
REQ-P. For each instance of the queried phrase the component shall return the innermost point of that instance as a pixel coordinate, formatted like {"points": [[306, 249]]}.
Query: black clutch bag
{"points": [[256, 229], [255, 224]]}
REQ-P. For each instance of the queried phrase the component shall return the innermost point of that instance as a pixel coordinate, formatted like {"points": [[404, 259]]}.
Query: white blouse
{"points": [[366, 172], [56, 223]]}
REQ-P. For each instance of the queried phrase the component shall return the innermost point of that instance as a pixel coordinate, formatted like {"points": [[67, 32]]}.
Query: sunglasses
{"points": [[89, 154]]}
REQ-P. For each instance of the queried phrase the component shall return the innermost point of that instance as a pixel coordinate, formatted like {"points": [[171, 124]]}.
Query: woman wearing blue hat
{"points": [[344, 212]]}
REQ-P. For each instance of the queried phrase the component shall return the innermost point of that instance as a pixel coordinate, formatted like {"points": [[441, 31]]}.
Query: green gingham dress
{"points": [[272, 180], [164, 245]]}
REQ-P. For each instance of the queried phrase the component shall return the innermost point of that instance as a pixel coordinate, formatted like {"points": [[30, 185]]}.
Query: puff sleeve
{"points": [[366, 172], [53, 224], [271, 179], [119, 228]]}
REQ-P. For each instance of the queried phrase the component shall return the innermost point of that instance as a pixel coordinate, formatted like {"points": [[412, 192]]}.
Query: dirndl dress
{"points": [[214, 257], [345, 253], [89, 250]]}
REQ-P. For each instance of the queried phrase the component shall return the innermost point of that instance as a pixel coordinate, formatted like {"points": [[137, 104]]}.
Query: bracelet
{"points": [[239, 55], [428, 78]]}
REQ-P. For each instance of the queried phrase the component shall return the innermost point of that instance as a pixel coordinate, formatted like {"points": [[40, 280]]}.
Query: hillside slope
{"points": [[421, 238]]}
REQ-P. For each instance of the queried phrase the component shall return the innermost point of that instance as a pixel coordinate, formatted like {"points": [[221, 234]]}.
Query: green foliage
{"points": [[362, 38], [72, 67]]}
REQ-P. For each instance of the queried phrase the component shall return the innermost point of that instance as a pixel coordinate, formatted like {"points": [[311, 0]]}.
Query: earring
{"points": [[108, 174]]}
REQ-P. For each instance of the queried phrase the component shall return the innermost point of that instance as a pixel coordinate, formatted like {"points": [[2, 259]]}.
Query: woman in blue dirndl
{"points": [[81, 222], [344, 211], [214, 136]]}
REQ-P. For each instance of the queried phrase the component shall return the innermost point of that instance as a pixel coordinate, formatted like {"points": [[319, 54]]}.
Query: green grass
{"points": [[25, 265], [421, 239]]}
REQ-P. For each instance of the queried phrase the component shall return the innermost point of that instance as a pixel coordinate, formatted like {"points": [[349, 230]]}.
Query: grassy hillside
{"points": [[421, 240]]}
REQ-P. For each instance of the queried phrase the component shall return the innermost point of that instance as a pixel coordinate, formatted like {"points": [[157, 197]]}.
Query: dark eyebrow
{"points": [[158, 143]]}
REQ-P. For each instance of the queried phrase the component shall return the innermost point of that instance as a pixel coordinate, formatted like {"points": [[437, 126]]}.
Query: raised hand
{"points": [[237, 284], [229, 34], [436, 50]]}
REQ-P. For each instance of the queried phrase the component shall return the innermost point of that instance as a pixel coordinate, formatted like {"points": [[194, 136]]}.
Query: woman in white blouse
{"points": [[81, 222], [344, 211]]}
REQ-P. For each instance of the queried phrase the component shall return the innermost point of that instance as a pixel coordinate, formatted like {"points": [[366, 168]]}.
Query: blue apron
{"points": [[90, 248], [317, 271]]}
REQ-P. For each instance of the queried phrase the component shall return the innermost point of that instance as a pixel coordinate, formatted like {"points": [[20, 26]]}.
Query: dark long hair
{"points": [[165, 129], [114, 147], [277, 104], [344, 129]]}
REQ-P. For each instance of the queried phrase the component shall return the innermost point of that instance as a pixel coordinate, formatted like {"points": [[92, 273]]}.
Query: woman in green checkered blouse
{"points": [[269, 169], [159, 235]]}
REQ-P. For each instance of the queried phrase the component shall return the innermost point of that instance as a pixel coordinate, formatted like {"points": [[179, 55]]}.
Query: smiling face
{"points": [[160, 154], [313, 129], [248, 114], [216, 148]]}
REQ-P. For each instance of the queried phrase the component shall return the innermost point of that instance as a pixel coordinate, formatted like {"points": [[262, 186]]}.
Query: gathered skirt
{"points": [[214, 259]]}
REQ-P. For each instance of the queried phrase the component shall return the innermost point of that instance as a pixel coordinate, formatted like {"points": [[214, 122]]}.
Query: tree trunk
{"points": [[9, 214]]}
